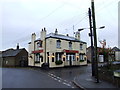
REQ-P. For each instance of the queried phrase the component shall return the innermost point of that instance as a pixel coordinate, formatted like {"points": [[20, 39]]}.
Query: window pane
{"points": [[81, 47], [70, 45], [58, 44]]}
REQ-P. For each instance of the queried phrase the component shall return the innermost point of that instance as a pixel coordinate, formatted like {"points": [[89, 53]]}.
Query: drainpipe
{"points": [[34, 54], [45, 50]]}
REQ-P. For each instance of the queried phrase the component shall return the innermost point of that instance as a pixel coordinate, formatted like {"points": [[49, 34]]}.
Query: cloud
{"points": [[22, 17]]}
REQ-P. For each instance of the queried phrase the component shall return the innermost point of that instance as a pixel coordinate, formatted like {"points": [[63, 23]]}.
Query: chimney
{"points": [[67, 34], [43, 34], [17, 46], [56, 32], [33, 37], [77, 35]]}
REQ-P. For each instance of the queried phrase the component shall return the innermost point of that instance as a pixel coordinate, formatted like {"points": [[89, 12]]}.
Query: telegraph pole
{"points": [[95, 41], [92, 48]]}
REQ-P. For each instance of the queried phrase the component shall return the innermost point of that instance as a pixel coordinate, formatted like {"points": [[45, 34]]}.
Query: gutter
{"points": [[78, 85]]}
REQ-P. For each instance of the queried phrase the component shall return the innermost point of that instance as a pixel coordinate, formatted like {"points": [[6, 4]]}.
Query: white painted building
{"points": [[57, 50], [117, 53]]}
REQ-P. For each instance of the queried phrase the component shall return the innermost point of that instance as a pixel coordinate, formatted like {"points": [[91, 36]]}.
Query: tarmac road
{"points": [[28, 78]]}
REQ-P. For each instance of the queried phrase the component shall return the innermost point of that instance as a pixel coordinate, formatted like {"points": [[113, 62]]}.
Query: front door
{"points": [[70, 60]]}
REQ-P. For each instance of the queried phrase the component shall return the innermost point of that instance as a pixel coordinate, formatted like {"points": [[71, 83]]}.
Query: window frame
{"points": [[70, 45], [58, 56], [58, 44], [39, 44], [81, 46], [37, 57]]}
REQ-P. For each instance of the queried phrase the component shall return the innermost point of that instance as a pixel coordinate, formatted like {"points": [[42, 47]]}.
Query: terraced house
{"points": [[56, 50]]}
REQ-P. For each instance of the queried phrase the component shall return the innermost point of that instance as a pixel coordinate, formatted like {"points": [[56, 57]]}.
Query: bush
{"points": [[37, 61], [82, 60], [58, 62]]}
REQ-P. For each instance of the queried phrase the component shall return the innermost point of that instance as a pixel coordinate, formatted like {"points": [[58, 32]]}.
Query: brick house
{"points": [[103, 54], [15, 57]]}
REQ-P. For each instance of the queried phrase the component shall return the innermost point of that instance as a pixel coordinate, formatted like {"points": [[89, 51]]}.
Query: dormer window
{"points": [[39, 44], [58, 44]]}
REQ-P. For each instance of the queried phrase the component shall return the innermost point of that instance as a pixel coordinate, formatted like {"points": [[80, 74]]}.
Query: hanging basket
{"points": [[59, 62]]}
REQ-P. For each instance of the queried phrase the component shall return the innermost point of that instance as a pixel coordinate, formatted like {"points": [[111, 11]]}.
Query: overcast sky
{"points": [[21, 18]]}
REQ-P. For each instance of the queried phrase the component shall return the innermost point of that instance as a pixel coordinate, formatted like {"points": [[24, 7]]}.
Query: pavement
{"points": [[85, 81]]}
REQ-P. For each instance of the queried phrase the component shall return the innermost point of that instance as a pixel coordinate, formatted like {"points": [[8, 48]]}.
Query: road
{"points": [[28, 78], [38, 78], [68, 73]]}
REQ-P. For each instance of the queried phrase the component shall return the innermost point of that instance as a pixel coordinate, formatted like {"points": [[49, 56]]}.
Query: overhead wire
{"points": [[43, 18], [23, 39]]}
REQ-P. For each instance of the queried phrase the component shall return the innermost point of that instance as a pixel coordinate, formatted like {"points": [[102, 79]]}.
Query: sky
{"points": [[119, 24], [20, 18]]}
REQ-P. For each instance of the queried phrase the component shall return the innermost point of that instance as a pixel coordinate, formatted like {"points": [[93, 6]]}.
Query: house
{"points": [[56, 50], [117, 53], [15, 57], [104, 54], [0, 58]]}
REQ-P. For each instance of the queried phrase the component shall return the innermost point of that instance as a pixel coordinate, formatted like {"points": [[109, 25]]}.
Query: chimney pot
{"points": [[17, 45], [67, 34], [44, 29], [56, 32]]}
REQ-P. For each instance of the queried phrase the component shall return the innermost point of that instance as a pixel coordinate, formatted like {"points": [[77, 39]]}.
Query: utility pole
{"points": [[92, 48], [95, 41]]}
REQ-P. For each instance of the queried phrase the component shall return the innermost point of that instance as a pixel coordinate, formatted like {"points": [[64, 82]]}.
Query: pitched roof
{"points": [[59, 36], [11, 52], [115, 49]]}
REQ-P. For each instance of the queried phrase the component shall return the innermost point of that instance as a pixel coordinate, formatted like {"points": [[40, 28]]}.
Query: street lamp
{"points": [[92, 48], [102, 27], [92, 27]]}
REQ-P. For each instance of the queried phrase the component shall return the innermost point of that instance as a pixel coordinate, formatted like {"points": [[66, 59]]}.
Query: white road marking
{"points": [[60, 80], [66, 84], [65, 80], [51, 74], [52, 77], [55, 79]]}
